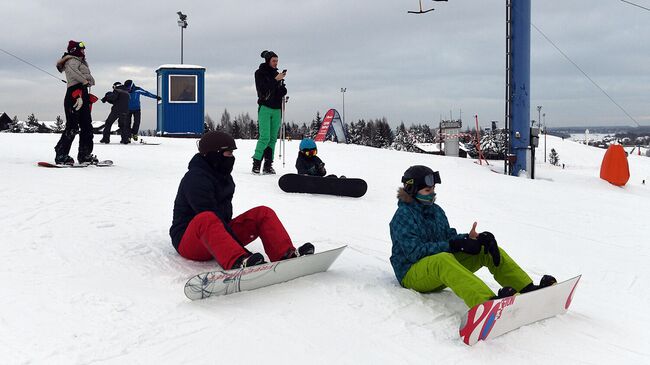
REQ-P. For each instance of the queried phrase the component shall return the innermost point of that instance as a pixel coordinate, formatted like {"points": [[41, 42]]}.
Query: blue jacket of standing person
{"points": [[136, 91]]}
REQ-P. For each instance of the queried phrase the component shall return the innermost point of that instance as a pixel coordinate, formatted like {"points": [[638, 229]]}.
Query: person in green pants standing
{"points": [[270, 93], [428, 255]]}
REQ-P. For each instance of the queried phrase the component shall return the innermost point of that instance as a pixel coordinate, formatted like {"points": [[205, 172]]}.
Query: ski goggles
{"points": [[429, 180], [310, 153], [432, 179]]}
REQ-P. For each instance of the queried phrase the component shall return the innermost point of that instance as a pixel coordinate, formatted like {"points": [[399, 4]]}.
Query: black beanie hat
{"points": [[216, 141], [267, 55]]}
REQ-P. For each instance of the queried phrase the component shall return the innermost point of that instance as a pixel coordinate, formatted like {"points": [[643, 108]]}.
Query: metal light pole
{"points": [[182, 23], [545, 133], [343, 90]]}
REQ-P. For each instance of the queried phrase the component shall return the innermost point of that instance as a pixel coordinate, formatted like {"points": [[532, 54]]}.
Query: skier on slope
{"points": [[135, 108], [270, 92], [203, 227], [428, 255], [119, 98], [77, 106]]}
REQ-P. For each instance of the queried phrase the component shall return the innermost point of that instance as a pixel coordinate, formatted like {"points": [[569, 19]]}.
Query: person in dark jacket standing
{"points": [[270, 92], [77, 106], [428, 255], [119, 98], [203, 227], [135, 112], [307, 162]]}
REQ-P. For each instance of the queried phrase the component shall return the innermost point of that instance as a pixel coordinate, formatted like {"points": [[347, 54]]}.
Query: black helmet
{"points": [[216, 141], [419, 177]]}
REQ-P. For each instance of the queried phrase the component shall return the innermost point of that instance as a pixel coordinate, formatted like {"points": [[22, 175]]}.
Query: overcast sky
{"points": [[410, 68]]}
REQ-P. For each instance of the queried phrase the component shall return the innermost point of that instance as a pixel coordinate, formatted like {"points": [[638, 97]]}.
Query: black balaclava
{"points": [[212, 146], [220, 163]]}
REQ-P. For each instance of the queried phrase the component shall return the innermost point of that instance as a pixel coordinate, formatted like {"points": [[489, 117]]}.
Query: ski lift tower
{"points": [[518, 16], [517, 115]]}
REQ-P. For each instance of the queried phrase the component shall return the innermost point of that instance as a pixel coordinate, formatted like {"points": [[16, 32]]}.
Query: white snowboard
{"points": [[224, 282], [496, 317]]}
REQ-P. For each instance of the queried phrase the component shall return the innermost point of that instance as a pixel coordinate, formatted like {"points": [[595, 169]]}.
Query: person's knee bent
{"points": [[265, 211], [206, 217]]}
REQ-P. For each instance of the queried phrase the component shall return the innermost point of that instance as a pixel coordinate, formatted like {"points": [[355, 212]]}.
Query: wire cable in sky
{"points": [[637, 5], [587, 76], [31, 64]]}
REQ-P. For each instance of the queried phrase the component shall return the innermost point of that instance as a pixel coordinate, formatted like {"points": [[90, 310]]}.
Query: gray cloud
{"points": [[405, 67]]}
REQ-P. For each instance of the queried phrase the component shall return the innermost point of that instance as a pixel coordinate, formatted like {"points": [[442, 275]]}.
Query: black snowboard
{"points": [[294, 183]]}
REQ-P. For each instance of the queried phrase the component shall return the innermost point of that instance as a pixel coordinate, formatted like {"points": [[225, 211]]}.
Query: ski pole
{"points": [[284, 130]]}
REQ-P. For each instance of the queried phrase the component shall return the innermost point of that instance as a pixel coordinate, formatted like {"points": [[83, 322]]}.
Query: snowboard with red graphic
{"points": [[496, 317]]}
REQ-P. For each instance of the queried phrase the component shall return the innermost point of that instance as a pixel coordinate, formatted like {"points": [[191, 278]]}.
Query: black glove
{"points": [[158, 98], [487, 240], [321, 169], [465, 245], [103, 100]]}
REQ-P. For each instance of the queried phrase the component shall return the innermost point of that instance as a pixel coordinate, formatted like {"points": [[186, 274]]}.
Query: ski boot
{"points": [[248, 260], [505, 292], [545, 281], [268, 167], [257, 165], [104, 141], [63, 160], [305, 249], [89, 159], [135, 137], [268, 162]]}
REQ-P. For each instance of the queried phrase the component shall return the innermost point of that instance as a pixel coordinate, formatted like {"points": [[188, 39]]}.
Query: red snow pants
{"points": [[206, 237]]}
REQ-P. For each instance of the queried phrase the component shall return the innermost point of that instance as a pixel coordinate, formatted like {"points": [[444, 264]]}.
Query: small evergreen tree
{"points": [[32, 124], [235, 130], [315, 125], [226, 123], [16, 126], [59, 126], [210, 125], [553, 157]]}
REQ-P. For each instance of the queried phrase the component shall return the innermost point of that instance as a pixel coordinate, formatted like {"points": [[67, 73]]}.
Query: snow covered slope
{"points": [[89, 275]]}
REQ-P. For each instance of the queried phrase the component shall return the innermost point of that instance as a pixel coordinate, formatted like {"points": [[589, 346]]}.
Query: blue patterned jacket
{"points": [[418, 231]]}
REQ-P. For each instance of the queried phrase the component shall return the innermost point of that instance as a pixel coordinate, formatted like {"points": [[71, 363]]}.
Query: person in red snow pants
{"points": [[203, 228], [206, 237]]}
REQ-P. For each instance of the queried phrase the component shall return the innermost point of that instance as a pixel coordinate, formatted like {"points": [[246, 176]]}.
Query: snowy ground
{"points": [[90, 276]]}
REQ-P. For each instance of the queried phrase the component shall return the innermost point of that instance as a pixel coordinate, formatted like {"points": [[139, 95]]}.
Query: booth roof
{"points": [[180, 66]]}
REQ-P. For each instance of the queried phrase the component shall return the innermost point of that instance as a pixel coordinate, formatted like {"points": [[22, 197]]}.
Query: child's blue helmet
{"points": [[307, 144]]}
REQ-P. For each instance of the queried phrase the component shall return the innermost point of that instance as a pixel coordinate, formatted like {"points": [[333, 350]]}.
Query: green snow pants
{"points": [[456, 271], [268, 122]]}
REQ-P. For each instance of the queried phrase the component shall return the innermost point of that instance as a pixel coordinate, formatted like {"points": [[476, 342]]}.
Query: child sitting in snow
{"points": [[307, 162]]}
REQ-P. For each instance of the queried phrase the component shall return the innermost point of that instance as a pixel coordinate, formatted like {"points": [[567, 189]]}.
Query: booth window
{"points": [[183, 89]]}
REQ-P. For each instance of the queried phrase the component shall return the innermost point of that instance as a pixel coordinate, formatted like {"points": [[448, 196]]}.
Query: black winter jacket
{"points": [[310, 165], [202, 189], [119, 98], [269, 91]]}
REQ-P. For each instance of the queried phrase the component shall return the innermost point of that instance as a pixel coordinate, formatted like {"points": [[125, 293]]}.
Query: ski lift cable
{"points": [[637, 5], [31, 64], [585, 74]]}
